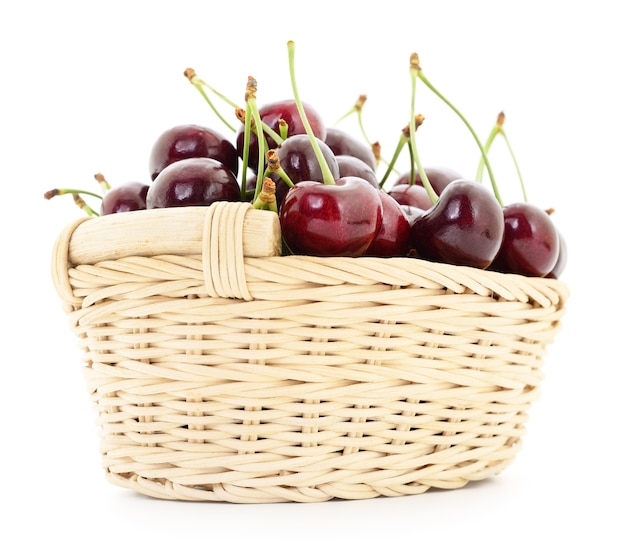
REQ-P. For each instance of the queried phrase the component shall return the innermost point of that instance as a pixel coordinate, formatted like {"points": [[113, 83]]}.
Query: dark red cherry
{"points": [[411, 195], [297, 159], [191, 141], [561, 260], [531, 243], [411, 212], [464, 227], [271, 114], [438, 176], [352, 166], [193, 182], [341, 142], [124, 198], [331, 220], [393, 237]]}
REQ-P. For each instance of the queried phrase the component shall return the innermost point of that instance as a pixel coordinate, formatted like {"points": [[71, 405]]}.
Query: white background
{"points": [[86, 88]]}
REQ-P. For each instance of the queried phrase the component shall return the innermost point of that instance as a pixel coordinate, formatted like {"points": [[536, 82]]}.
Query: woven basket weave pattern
{"points": [[218, 376]]}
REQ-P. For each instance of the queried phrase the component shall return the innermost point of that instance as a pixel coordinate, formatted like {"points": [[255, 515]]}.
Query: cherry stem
{"points": [[326, 173], [266, 199], [401, 143], [79, 201], [250, 97], [199, 85], [104, 184], [418, 71], [245, 153], [58, 192], [273, 166], [498, 129], [413, 122], [358, 110]]}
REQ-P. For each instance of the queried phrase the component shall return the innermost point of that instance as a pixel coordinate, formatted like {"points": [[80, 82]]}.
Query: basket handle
{"points": [[226, 241], [224, 233]]}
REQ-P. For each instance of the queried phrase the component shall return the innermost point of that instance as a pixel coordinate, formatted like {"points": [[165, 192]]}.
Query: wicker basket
{"points": [[221, 371]]}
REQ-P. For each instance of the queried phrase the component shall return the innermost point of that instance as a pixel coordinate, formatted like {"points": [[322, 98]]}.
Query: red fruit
{"points": [[342, 142], [191, 141], [561, 260], [411, 195], [297, 159], [331, 220], [352, 166], [531, 243], [464, 227], [193, 182], [124, 198], [393, 237], [271, 114], [438, 176]]}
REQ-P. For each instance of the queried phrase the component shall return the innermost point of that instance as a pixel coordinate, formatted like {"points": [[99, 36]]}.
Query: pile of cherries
{"points": [[323, 183]]}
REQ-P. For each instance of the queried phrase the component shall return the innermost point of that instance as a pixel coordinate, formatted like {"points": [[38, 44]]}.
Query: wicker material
{"points": [[221, 376]]}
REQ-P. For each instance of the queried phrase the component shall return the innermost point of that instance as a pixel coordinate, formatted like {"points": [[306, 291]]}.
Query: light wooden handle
{"points": [[178, 231]]}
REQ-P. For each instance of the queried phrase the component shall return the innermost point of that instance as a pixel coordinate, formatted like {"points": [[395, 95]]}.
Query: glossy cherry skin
{"points": [[331, 220], [191, 141], [124, 198], [341, 142], [193, 182], [271, 114], [464, 227], [561, 260], [531, 243], [438, 176], [411, 212], [352, 166], [411, 195], [297, 159], [393, 237]]}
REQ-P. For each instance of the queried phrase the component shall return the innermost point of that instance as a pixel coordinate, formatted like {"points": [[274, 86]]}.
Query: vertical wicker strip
{"points": [[221, 371]]}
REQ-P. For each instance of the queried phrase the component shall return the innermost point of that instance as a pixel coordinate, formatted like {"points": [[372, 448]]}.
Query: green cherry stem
{"points": [[246, 150], [326, 173], [200, 85], [498, 129], [375, 146], [402, 141], [104, 184], [273, 166], [251, 107], [419, 72], [413, 122], [79, 201], [58, 192], [266, 199]]}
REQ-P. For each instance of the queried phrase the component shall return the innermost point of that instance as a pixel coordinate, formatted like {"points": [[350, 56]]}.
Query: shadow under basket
{"points": [[222, 371]]}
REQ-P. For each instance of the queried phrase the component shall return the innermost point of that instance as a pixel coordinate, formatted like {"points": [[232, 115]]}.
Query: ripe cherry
{"points": [[464, 227], [561, 260], [530, 246], [393, 237], [438, 176], [352, 166], [411, 195], [299, 161], [193, 182], [341, 142], [191, 141], [126, 197], [320, 219], [273, 114]]}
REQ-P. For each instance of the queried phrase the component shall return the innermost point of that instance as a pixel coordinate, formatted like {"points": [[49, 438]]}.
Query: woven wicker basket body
{"points": [[221, 371]]}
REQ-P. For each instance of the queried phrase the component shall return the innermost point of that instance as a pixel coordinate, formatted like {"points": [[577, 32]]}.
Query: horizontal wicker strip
{"points": [[222, 371]]}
